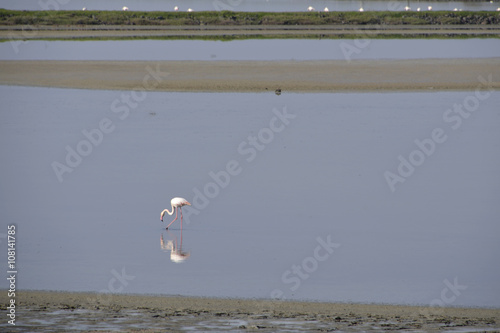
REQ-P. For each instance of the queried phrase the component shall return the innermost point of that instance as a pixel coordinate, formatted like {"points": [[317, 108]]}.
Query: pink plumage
{"points": [[176, 202]]}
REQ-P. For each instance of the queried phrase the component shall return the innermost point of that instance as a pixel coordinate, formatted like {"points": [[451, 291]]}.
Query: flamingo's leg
{"points": [[173, 220]]}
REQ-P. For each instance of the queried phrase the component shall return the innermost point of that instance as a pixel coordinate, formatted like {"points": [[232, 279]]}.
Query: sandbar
{"points": [[257, 76], [55, 32]]}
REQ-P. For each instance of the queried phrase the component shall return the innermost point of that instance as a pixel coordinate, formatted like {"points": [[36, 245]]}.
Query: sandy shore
{"points": [[59, 311], [26, 32], [256, 76]]}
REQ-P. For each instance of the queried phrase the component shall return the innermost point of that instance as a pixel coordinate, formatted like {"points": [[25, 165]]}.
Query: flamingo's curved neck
{"points": [[170, 213], [166, 210]]}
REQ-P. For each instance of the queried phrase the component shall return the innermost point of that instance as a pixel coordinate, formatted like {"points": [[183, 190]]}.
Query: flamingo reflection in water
{"points": [[177, 204], [175, 248]]}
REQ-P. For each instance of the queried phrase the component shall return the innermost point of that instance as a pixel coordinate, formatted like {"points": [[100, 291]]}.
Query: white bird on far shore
{"points": [[310, 9], [125, 9], [176, 8]]}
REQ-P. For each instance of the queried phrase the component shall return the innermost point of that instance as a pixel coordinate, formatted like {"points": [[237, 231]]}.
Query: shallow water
{"points": [[301, 211], [245, 5], [276, 49]]}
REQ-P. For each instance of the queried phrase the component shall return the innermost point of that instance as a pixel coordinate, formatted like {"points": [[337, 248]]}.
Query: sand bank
{"points": [[256, 76], [27, 32], [41, 310]]}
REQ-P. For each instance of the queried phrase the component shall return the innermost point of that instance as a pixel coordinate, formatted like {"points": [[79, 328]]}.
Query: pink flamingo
{"points": [[176, 203]]}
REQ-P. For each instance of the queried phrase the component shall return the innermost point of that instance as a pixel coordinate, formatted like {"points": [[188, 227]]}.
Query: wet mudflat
{"points": [[46, 311]]}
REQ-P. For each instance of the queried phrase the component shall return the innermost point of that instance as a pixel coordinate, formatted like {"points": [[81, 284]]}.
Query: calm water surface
{"points": [[289, 194], [278, 49]]}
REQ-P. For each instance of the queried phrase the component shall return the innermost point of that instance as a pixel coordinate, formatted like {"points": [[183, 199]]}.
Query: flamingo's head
{"points": [[161, 217]]}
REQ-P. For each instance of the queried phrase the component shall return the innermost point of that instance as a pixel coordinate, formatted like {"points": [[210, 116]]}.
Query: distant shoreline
{"points": [[257, 76], [151, 313], [221, 32], [235, 18], [26, 25]]}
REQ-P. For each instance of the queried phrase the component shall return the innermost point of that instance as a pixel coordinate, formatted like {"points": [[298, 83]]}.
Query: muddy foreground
{"points": [[43, 311]]}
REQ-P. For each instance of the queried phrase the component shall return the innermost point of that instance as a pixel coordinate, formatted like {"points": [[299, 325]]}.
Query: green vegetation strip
{"points": [[229, 18], [228, 38]]}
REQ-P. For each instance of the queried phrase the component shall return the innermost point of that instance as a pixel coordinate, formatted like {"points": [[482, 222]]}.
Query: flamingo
{"points": [[125, 9], [311, 8], [176, 8], [326, 9], [176, 203]]}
